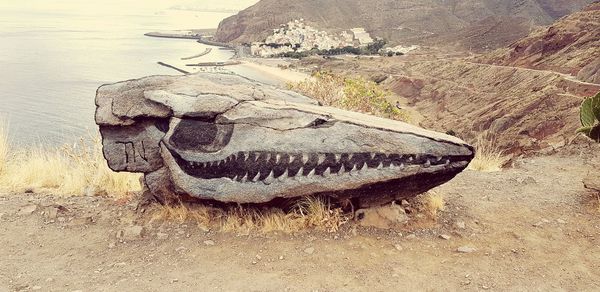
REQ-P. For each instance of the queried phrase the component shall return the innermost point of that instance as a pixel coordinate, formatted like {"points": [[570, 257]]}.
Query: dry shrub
{"points": [[431, 203], [355, 94], [69, 170], [488, 156], [310, 212]]}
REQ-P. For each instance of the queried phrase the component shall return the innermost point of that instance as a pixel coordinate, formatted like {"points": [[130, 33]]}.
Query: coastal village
{"points": [[297, 36]]}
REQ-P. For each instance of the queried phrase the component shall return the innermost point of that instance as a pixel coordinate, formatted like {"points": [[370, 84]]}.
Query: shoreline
{"points": [[267, 68], [272, 71], [191, 34]]}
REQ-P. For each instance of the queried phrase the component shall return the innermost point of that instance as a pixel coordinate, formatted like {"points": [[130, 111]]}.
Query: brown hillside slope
{"points": [[395, 20], [571, 46], [526, 110]]}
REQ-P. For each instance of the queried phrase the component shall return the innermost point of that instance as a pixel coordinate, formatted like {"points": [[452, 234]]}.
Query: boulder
{"points": [[224, 137]]}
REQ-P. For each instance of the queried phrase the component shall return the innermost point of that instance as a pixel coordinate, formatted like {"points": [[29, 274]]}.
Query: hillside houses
{"points": [[296, 36]]}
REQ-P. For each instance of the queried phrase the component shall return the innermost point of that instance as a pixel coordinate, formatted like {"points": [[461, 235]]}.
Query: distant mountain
{"points": [[571, 45], [415, 21]]}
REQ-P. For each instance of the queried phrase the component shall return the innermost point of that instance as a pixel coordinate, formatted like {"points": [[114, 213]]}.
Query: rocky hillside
{"points": [[525, 110], [405, 20], [571, 46]]}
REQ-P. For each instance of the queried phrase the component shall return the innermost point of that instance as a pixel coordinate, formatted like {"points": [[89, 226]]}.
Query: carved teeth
{"points": [[269, 180], [255, 179], [300, 172], [380, 166], [312, 172], [283, 176], [304, 158], [447, 161], [372, 155], [410, 159], [277, 158], [327, 172], [338, 157], [427, 163], [342, 169], [321, 158], [245, 178]]}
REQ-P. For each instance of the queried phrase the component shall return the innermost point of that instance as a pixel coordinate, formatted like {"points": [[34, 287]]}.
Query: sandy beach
{"points": [[269, 68]]}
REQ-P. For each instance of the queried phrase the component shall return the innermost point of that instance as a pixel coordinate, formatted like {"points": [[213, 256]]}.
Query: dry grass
{"points": [[432, 203], [355, 94], [310, 212], [69, 170], [488, 156]]}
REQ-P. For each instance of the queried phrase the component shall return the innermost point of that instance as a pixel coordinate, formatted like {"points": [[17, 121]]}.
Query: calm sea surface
{"points": [[51, 63]]}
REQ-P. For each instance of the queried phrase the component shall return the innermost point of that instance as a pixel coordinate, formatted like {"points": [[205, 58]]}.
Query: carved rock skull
{"points": [[227, 138]]}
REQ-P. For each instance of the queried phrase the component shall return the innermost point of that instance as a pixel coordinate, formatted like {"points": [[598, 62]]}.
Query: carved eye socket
{"points": [[202, 136]]}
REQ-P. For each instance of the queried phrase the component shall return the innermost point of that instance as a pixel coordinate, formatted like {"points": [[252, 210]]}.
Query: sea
{"points": [[55, 54]]}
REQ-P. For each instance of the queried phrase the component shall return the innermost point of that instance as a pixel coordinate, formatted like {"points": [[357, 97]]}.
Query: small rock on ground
{"points": [[382, 217], [27, 210], [209, 242], [131, 233], [466, 249], [309, 250]]}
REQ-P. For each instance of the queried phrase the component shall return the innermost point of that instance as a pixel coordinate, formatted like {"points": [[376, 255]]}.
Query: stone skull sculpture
{"points": [[227, 138]]}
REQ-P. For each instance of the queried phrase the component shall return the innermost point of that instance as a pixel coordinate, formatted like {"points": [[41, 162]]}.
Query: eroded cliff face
{"points": [[570, 46], [417, 21]]}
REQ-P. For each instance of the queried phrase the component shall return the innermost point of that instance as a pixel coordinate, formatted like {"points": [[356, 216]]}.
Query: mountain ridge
{"points": [[394, 20]]}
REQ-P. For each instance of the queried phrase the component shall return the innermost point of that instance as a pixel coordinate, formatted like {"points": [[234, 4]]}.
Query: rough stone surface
{"points": [[382, 217], [227, 138]]}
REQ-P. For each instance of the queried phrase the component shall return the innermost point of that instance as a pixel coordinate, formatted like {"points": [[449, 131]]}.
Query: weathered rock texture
{"points": [[227, 138]]}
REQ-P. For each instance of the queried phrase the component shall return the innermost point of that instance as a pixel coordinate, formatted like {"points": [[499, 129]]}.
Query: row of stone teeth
{"points": [[304, 158], [327, 173]]}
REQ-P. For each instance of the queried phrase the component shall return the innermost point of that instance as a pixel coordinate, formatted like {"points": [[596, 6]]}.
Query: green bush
{"points": [[355, 94], [590, 117]]}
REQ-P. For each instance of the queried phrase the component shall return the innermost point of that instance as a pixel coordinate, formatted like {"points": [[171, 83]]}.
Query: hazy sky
{"points": [[118, 6]]}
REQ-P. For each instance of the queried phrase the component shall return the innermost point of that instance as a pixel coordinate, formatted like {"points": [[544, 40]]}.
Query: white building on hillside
{"points": [[360, 35]]}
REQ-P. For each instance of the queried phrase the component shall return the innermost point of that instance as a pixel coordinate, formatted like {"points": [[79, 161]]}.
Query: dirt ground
{"points": [[532, 227]]}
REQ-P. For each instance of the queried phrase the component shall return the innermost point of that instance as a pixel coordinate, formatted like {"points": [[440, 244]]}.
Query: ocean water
{"points": [[54, 56]]}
